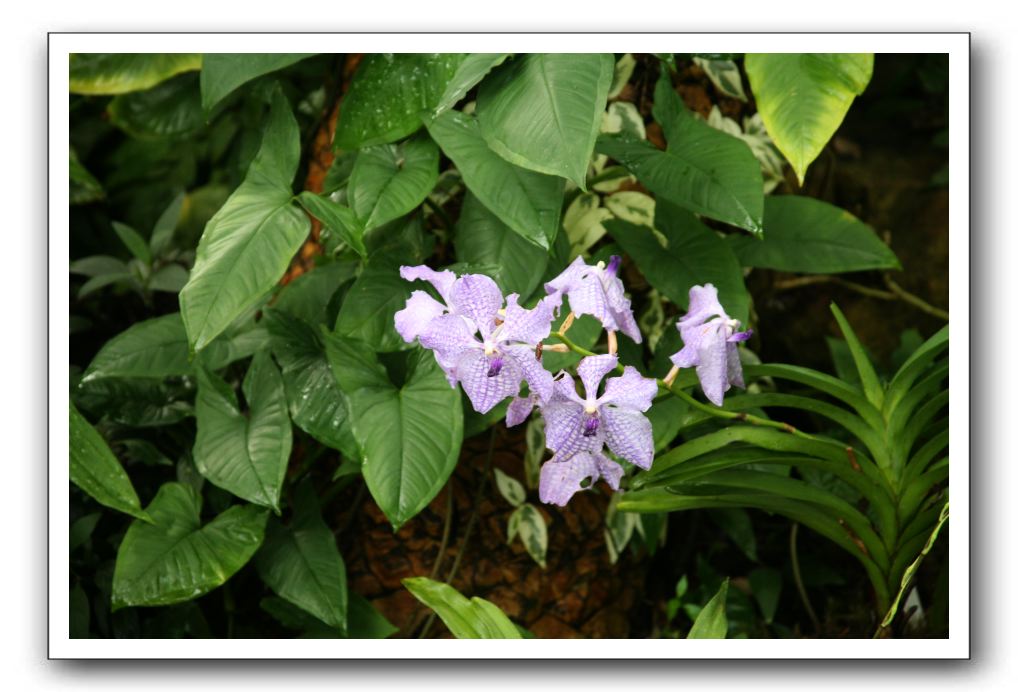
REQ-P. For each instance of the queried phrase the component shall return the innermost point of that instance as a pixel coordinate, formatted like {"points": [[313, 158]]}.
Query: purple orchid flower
{"points": [[577, 429], [421, 308], [709, 336], [488, 350], [596, 291]]}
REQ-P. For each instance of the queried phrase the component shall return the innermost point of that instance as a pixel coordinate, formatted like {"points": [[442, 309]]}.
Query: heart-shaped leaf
{"points": [[390, 180], [176, 559]]}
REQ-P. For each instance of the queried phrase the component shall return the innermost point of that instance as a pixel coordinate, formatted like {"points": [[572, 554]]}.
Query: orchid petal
{"points": [[420, 309], [486, 391], [629, 434], [442, 281], [592, 369], [478, 297], [631, 390], [560, 479]]}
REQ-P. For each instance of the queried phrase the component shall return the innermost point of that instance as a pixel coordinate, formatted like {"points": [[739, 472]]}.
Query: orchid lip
{"points": [[495, 366], [590, 426]]}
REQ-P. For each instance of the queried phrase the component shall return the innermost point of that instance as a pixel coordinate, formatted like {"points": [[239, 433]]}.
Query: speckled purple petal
{"points": [[629, 434], [414, 318], [567, 279], [486, 391], [560, 479], [592, 370], [478, 297], [703, 304], [538, 379], [619, 307], [610, 471], [526, 326], [564, 428], [565, 388], [712, 368], [631, 390], [442, 281], [587, 297], [519, 409], [735, 366], [448, 335]]}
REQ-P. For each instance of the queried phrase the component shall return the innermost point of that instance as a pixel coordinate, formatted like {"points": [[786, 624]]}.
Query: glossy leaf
{"points": [[483, 239], [308, 297], [510, 488], [336, 217], [526, 201], [712, 622], [97, 471], [176, 559], [301, 562], [370, 306], [388, 95], [316, 404], [155, 348], [542, 111], [803, 97], [470, 72], [867, 375], [409, 436], [169, 109], [119, 73], [695, 256], [246, 454], [475, 618], [811, 236], [248, 244], [222, 73], [390, 180]]}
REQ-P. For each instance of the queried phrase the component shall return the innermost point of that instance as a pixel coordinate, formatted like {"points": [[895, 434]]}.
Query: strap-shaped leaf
{"points": [[247, 246], [912, 368], [301, 562], [390, 180], [528, 202], [97, 471], [409, 436], [823, 382], [475, 618], [542, 111], [222, 73], [803, 97], [244, 454], [176, 559], [867, 375]]}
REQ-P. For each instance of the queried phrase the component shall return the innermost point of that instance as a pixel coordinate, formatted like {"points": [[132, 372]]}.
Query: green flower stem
{"points": [[709, 409]]}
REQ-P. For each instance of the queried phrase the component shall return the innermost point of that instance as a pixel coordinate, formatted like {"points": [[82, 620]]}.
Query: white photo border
{"points": [[956, 646]]}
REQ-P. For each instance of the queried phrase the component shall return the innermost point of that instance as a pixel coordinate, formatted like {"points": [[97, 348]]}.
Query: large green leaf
{"points": [[169, 109], [370, 306], [222, 73], [176, 559], [712, 623], [409, 436], [390, 180], [542, 111], [811, 236], [389, 94], [95, 470], [248, 244], [695, 255], [316, 403], [482, 239], [470, 72], [475, 618], [336, 217], [119, 73], [703, 170], [246, 454], [803, 97], [302, 564], [155, 348], [308, 297], [528, 202]]}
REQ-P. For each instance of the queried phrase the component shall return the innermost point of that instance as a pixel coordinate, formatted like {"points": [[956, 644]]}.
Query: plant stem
{"points": [[793, 548]]}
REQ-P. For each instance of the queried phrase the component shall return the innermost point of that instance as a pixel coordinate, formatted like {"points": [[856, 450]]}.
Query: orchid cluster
{"points": [[491, 345]]}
